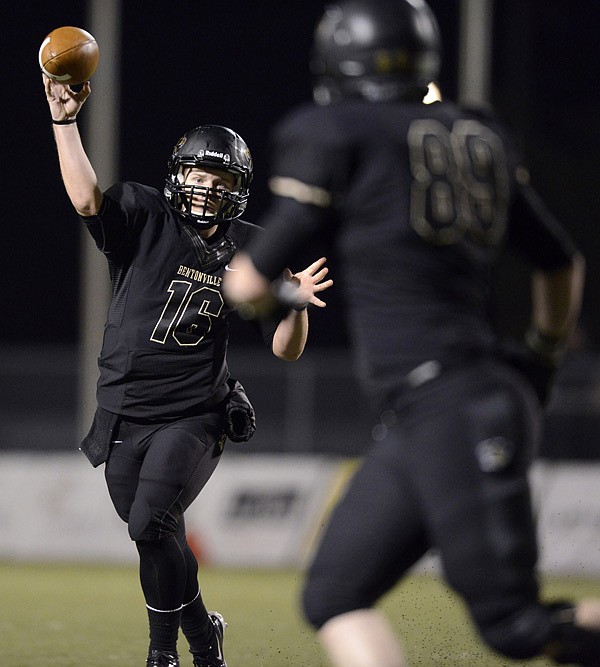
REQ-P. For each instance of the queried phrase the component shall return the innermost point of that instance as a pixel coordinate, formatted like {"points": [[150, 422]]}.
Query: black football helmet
{"points": [[216, 147], [376, 49]]}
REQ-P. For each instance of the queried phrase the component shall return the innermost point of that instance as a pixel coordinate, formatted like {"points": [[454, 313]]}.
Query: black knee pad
{"points": [[519, 635], [140, 520], [570, 644], [145, 525]]}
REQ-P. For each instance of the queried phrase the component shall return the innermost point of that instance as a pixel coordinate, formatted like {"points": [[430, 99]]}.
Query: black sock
{"points": [[196, 625], [163, 573], [163, 578], [164, 629]]}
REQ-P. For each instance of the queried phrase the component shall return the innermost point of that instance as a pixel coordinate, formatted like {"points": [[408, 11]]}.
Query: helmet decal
{"points": [[179, 144]]}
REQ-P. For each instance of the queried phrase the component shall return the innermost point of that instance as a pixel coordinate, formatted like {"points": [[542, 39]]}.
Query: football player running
{"points": [[166, 401], [421, 199]]}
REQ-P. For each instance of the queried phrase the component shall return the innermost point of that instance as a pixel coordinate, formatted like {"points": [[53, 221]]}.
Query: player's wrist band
{"points": [[66, 121], [300, 307]]}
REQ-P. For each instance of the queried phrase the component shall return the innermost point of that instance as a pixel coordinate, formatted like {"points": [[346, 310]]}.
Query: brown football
{"points": [[69, 55]]}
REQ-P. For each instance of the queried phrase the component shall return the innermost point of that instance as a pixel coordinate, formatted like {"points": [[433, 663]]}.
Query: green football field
{"points": [[94, 616]]}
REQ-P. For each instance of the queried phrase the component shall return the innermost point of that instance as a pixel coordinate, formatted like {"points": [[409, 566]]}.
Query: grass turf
{"points": [[93, 616]]}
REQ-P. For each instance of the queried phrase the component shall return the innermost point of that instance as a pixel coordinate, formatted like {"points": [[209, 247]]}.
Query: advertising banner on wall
{"points": [[256, 511]]}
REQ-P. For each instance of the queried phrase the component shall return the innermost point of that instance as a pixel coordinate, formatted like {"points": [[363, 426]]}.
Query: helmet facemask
{"points": [[204, 204]]}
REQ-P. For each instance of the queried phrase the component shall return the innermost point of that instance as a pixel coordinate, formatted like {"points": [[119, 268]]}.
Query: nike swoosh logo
{"points": [[228, 268]]}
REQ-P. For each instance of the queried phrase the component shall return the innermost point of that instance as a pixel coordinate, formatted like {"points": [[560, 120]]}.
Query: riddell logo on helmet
{"points": [[221, 156]]}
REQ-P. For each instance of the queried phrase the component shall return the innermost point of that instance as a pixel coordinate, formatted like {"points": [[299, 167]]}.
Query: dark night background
{"points": [[243, 63]]}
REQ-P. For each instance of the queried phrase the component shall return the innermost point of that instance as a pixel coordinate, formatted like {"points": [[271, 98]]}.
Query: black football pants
{"points": [[153, 474], [452, 475]]}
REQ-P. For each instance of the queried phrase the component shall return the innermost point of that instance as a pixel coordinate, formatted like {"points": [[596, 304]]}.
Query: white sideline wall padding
{"points": [[566, 499], [256, 511]]}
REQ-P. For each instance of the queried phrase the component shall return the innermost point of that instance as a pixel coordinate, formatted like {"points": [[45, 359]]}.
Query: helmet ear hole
{"points": [[237, 183]]}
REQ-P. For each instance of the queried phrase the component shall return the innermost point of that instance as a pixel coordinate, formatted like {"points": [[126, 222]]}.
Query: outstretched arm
{"points": [[258, 297], [291, 334], [77, 172], [253, 293]]}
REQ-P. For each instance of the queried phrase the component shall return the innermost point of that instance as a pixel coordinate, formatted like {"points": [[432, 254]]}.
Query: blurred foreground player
{"points": [[419, 200], [166, 398]]}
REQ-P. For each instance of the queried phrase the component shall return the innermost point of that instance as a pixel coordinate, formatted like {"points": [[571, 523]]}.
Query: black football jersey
{"points": [[419, 200], [166, 335]]}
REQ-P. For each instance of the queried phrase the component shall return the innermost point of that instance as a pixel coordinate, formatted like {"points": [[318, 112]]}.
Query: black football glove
{"points": [[537, 358], [240, 420]]}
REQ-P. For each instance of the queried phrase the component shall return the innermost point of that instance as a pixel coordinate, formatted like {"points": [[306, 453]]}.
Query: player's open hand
{"points": [[310, 282], [64, 102]]}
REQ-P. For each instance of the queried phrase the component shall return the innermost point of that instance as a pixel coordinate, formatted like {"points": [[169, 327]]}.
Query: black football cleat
{"points": [[162, 659], [212, 654]]}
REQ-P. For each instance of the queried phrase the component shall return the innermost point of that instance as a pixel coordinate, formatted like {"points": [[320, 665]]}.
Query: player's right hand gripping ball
{"points": [[69, 55]]}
